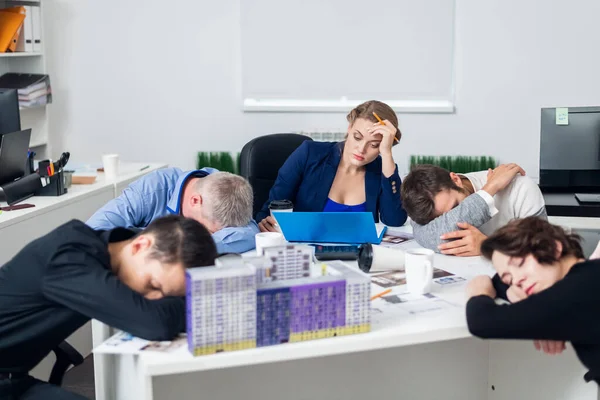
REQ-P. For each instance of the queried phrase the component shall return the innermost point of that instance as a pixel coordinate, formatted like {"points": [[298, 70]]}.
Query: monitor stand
{"points": [[588, 197]]}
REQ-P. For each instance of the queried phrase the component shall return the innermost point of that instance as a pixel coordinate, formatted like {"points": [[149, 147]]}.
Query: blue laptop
{"points": [[329, 227]]}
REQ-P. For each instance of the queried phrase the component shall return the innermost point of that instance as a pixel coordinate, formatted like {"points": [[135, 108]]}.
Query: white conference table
{"points": [[19, 227], [424, 356]]}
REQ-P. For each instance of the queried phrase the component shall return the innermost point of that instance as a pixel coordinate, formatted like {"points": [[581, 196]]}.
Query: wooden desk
{"points": [[19, 227]]}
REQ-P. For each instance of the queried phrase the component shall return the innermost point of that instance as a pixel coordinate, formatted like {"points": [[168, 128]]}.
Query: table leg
{"points": [[130, 380], [102, 362]]}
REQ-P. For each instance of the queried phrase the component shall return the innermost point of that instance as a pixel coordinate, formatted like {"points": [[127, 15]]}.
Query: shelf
{"points": [[20, 54], [13, 3], [37, 144], [32, 108]]}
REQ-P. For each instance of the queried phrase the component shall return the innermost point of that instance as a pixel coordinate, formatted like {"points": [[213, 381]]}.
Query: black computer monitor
{"points": [[13, 155], [10, 117], [570, 154]]}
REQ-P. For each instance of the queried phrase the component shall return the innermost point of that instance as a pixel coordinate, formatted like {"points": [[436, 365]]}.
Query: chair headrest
{"points": [[263, 156]]}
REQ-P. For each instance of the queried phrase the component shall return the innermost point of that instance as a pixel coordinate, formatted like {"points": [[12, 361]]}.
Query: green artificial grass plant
{"points": [[458, 164], [223, 161]]}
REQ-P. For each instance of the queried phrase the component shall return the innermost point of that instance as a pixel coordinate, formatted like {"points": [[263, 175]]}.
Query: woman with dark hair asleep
{"points": [[541, 269]]}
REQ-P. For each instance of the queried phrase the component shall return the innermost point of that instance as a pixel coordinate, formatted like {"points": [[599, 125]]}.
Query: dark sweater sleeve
{"points": [[566, 311], [500, 287], [473, 210], [77, 280]]}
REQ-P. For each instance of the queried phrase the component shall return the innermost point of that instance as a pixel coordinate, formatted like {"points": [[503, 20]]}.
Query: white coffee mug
{"points": [[418, 266], [268, 239], [110, 163]]}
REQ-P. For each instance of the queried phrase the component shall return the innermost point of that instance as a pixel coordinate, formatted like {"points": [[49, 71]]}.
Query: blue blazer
{"points": [[307, 175]]}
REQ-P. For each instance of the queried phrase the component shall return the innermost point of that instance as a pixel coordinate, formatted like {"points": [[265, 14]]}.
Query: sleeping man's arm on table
{"points": [[473, 210], [468, 239], [76, 280]]}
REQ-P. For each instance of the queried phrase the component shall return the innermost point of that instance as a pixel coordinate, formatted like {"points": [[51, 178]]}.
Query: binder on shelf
{"points": [[10, 22], [18, 42], [20, 47], [28, 29], [37, 29], [12, 47]]}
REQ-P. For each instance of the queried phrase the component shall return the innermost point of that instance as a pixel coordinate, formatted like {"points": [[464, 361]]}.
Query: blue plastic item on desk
{"points": [[329, 227]]}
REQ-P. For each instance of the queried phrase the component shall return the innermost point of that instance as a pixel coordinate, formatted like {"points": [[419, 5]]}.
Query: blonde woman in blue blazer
{"points": [[358, 174]]}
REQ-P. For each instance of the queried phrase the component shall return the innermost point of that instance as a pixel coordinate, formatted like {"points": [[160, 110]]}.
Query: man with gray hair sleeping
{"points": [[219, 200]]}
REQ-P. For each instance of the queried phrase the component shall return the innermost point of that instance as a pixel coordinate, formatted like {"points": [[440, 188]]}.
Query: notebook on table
{"points": [[330, 227]]}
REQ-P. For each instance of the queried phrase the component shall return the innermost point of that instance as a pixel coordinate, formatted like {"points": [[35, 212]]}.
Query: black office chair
{"points": [[261, 159], [66, 355]]}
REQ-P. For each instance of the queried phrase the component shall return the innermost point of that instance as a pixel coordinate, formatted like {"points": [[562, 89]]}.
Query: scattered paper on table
{"points": [[450, 280], [125, 343], [387, 279], [394, 239], [388, 309]]}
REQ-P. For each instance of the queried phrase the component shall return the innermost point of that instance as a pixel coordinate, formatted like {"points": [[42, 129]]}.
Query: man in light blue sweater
{"points": [[219, 200]]}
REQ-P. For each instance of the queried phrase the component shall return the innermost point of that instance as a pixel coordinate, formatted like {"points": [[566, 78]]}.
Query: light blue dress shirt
{"points": [[158, 194]]}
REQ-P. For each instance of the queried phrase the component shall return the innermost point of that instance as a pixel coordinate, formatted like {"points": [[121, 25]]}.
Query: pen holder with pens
{"points": [[56, 186], [49, 180], [53, 176]]}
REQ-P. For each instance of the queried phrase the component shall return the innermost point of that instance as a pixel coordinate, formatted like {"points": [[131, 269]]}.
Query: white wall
{"points": [[159, 80]]}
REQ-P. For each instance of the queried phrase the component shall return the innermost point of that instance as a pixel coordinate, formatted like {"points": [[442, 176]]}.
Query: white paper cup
{"points": [[268, 239], [277, 211], [418, 265], [110, 162], [280, 206]]}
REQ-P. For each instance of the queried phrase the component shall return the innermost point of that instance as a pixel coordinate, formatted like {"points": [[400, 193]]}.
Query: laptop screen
{"points": [[13, 155]]}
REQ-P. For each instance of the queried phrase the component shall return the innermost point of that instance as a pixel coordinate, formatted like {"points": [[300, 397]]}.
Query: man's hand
{"points": [[550, 346], [467, 241], [481, 285], [516, 294], [501, 177], [268, 225]]}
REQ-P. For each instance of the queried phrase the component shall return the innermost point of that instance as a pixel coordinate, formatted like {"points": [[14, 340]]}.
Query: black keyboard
{"points": [[335, 252]]}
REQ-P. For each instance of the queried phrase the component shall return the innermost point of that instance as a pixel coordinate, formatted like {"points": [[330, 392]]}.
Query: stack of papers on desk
{"points": [[34, 89]]}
